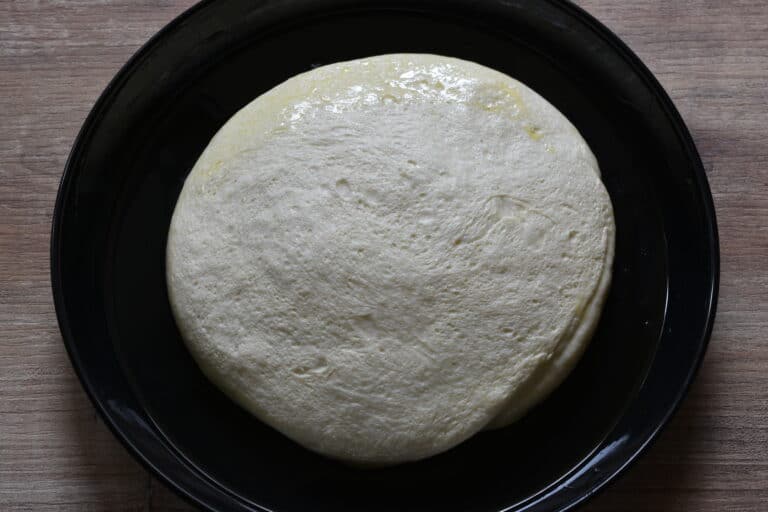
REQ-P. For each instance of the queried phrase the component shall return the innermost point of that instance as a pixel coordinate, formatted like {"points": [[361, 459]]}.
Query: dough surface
{"points": [[381, 257]]}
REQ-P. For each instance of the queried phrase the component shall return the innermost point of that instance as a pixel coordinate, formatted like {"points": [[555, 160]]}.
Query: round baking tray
{"points": [[147, 129]]}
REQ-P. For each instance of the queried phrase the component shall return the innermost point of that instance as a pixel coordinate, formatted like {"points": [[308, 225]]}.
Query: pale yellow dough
{"points": [[379, 258]]}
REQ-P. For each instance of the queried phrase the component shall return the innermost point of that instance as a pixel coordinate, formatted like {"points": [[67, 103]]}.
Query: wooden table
{"points": [[55, 59]]}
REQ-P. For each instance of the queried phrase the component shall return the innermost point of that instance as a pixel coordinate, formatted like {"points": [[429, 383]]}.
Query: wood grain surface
{"points": [[57, 56]]}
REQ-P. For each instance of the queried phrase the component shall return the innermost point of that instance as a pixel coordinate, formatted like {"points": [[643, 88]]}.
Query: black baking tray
{"points": [[149, 126]]}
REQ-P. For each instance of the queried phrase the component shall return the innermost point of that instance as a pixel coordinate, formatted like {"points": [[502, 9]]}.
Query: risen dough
{"points": [[380, 256]]}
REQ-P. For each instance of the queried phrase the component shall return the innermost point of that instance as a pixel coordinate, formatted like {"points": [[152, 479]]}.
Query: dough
{"points": [[381, 257]]}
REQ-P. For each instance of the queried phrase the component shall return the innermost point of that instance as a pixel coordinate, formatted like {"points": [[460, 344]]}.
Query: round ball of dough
{"points": [[379, 258]]}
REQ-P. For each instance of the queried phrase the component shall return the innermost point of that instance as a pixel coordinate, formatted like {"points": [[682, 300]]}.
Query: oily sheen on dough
{"points": [[381, 257]]}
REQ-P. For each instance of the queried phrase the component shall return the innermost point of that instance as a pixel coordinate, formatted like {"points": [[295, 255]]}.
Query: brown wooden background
{"points": [[57, 56]]}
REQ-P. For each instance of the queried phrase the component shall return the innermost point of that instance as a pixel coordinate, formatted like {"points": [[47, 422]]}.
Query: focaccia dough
{"points": [[381, 257]]}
